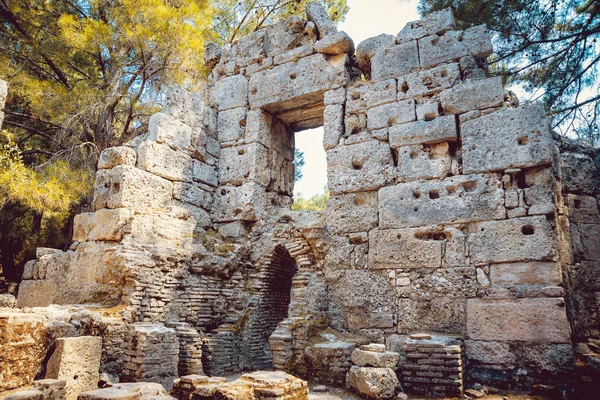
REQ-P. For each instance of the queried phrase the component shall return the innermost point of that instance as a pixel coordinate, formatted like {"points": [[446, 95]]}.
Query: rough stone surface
{"points": [[365, 358], [392, 62], [372, 383], [77, 361]]}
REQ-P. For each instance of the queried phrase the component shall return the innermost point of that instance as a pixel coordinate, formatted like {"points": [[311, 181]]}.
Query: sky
{"points": [[366, 18]]}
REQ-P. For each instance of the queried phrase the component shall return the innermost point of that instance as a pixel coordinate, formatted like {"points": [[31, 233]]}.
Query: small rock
{"points": [[420, 336], [402, 396], [594, 362], [375, 347], [476, 394], [320, 389], [8, 300]]}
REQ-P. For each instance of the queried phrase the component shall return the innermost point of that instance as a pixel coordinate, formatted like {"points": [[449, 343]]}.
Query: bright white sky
{"points": [[366, 18]]}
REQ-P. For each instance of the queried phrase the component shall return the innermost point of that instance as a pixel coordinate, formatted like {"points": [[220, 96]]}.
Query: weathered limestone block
{"points": [[353, 212], [423, 162], [442, 314], [589, 235], [360, 167], [453, 45], [205, 173], [470, 69], [429, 81], [246, 202], [288, 35], [335, 96], [539, 320], [583, 209], [7, 300], [77, 361], [428, 111], [230, 92], [109, 394], [172, 229], [391, 114], [337, 43], [147, 390], [520, 239], [246, 51], [24, 341], [442, 129], [365, 96], [316, 13], [516, 138], [333, 125], [405, 248], [468, 96], [231, 124], [113, 156], [128, 187], [372, 383], [365, 358], [163, 128], [104, 224], [161, 160], [293, 55], [36, 293], [456, 199], [367, 49], [436, 23], [394, 61], [212, 54], [31, 394], [240, 164], [579, 173], [191, 193], [494, 353], [52, 389], [294, 84], [536, 273]]}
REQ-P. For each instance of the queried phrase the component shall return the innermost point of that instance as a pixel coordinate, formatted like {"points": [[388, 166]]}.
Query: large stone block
{"points": [[360, 167], [469, 96], [192, 194], [429, 81], [536, 273], [436, 314], [109, 394], [104, 224], [333, 125], [423, 162], [130, 187], [590, 241], [295, 84], [442, 129], [230, 92], [390, 114], [493, 353], [453, 45], [163, 128], [365, 96], [172, 229], [353, 212], [536, 320], [287, 35], [520, 239], [77, 361], [239, 164], [516, 138], [205, 173], [113, 156], [436, 23], [161, 160], [385, 359], [367, 49], [36, 293], [372, 383], [233, 203], [231, 124], [395, 61], [405, 248], [456, 199]]}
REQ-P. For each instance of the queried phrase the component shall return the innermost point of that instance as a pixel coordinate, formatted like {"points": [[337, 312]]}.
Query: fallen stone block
{"points": [[77, 361], [372, 383], [52, 389], [109, 394], [365, 358], [32, 394]]}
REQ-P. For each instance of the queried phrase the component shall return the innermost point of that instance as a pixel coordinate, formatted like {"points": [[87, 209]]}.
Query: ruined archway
{"points": [[274, 300]]}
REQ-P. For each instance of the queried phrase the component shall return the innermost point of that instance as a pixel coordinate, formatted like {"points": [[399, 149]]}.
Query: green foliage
{"points": [[34, 205], [318, 202], [551, 48], [237, 18], [298, 164]]}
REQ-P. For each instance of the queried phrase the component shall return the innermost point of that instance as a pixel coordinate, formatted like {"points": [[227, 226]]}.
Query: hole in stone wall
{"points": [[522, 141], [416, 195], [577, 203], [275, 296], [434, 194], [469, 186], [527, 230], [431, 235]]}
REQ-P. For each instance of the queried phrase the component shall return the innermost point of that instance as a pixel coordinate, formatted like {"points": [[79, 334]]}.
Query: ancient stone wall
{"points": [[452, 211]]}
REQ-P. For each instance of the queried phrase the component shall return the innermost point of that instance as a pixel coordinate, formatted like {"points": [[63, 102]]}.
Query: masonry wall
{"points": [[452, 209]]}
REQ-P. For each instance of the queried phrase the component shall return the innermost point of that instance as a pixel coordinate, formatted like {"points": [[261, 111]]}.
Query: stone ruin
{"points": [[461, 236]]}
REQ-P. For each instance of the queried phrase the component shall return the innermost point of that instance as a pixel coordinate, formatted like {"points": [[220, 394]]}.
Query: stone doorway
{"points": [[274, 300]]}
